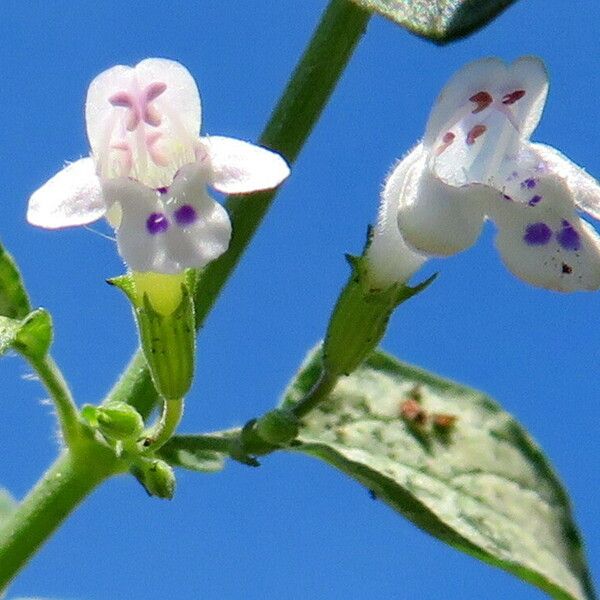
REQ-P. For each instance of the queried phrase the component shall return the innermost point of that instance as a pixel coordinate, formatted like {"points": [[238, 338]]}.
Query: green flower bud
{"points": [[164, 310], [360, 318], [115, 420], [156, 476], [277, 427]]}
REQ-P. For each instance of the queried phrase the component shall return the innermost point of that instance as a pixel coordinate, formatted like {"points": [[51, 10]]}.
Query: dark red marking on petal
{"points": [[482, 99], [476, 131], [446, 141], [513, 97], [567, 269]]}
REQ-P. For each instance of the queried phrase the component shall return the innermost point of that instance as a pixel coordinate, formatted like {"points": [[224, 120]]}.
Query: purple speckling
{"points": [[535, 200], [568, 237], [528, 184], [507, 197], [157, 223], [185, 215], [537, 234], [162, 190]]}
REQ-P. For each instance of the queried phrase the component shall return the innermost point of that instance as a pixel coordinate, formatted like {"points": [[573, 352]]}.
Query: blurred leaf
{"points": [[7, 504], [188, 452], [441, 21], [14, 302], [30, 336], [453, 462]]}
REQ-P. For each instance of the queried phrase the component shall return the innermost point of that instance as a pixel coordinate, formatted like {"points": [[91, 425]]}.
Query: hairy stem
{"points": [[68, 481], [66, 410]]}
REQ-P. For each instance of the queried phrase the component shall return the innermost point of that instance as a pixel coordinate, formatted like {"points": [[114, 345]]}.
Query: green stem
{"points": [[72, 477], [317, 394], [66, 409], [292, 121], [166, 426]]}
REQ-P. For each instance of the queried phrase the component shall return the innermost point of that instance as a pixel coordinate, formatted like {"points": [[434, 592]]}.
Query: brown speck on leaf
{"points": [[412, 412], [444, 421]]}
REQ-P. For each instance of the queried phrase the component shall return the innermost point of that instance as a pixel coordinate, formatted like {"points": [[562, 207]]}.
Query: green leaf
{"points": [[188, 452], [7, 504], [453, 462], [441, 21], [14, 302], [30, 336]]}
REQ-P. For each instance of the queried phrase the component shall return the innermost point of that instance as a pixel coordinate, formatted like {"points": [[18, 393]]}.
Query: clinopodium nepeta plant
{"points": [[148, 175]]}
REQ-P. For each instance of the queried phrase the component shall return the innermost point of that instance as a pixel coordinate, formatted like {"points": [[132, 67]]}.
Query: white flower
{"points": [[149, 170], [476, 160]]}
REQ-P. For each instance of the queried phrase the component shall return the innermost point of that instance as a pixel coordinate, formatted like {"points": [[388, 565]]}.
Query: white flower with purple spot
{"points": [[476, 161], [149, 170]]}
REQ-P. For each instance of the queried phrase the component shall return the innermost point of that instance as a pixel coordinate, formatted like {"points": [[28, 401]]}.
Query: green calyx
{"points": [[164, 311], [360, 318]]}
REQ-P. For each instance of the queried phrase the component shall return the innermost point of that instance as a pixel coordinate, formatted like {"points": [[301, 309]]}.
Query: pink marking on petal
{"points": [[476, 131], [154, 90], [157, 157], [482, 99], [512, 97], [446, 141], [122, 99], [152, 116]]}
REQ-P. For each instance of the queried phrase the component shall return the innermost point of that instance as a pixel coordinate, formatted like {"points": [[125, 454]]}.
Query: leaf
{"points": [[30, 336], [189, 453], [475, 480], [441, 21], [7, 504], [14, 302]]}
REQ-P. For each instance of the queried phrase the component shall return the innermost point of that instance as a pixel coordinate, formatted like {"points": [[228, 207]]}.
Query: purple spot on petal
{"points": [[507, 197], [537, 234], [528, 184], [162, 190], [568, 237], [157, 223], [185, 215], [535, 200]]}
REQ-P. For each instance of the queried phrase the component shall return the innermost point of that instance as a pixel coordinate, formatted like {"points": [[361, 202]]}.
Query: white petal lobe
{"points": [[240, 167], [72, 197]]}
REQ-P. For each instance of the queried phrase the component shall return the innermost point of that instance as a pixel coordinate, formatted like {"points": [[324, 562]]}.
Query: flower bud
{"points": [[115, 420], [277, 427], [156, 476]]}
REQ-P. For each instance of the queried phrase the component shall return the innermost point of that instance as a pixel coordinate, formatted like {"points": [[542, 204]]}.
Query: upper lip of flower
{"points": [[143, 124]]}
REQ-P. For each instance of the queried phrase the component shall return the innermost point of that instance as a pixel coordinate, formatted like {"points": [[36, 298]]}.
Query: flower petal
{"points": [[433, 217], [482, 117], [546, 243], [240, 167], [390, 259], [171, 231], [72, 197], [143, 122], [584, 187]]}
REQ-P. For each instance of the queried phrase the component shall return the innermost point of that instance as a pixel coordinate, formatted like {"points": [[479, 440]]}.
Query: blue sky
{"points": [[293, 528]]}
